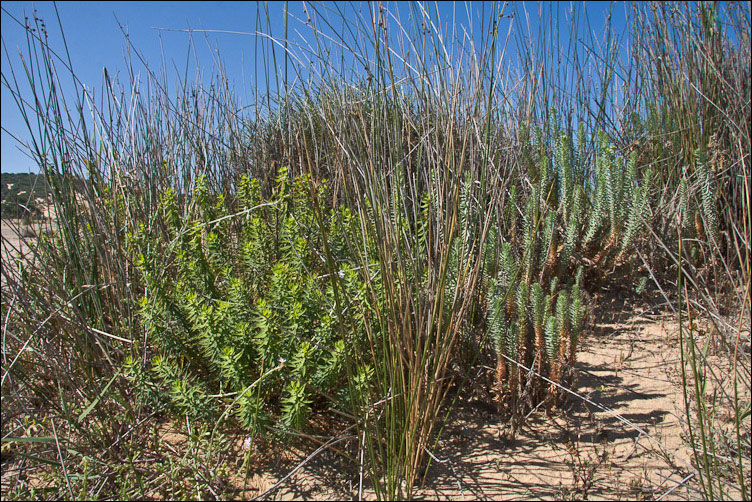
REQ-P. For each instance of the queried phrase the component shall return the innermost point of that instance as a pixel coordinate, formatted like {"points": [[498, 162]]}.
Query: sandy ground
{"points": [[15, 238], [634, 450], [629, 364], [16, 234], [12, 245], [11, 241]]}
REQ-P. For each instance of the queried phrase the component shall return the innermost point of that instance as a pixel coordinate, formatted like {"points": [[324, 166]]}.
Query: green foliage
{"points": [[552, 337], [637, 212], [497, 319], [246, 295], [564, 214], [295, 405], [707, 192], [641, 284]]}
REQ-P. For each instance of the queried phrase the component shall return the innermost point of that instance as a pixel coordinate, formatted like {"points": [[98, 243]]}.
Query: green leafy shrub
{"points": [[236, 312], [568, 219]]}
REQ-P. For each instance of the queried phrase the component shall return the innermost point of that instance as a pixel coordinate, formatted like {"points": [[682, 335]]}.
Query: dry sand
{"points": [[629, 364], [16, 235]]}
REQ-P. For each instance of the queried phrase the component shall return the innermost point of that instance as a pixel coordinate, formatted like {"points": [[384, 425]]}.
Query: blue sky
{"points": [[95, 41]]}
